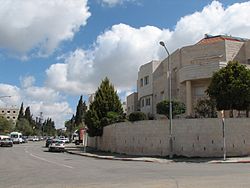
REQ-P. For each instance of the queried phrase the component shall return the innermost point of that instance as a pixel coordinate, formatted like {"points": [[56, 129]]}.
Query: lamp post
{"points": [[170, 102]]}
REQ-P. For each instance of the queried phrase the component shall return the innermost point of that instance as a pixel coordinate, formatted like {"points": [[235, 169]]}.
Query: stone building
{"points": [[192, 68], [10, 113]]}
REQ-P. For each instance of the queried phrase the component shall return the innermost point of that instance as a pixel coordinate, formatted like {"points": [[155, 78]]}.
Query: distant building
{"points": [[9, 113], [132, 103], [124, 107]]}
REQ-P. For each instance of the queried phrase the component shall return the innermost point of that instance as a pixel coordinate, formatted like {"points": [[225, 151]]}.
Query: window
{"points": [[248, 61], [146, 80], [199, 91], [148, 102], [8, 111], [142, 103], [141, 82], [14, 112]]}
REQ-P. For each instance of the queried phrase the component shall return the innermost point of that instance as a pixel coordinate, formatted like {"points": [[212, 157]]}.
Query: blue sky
{"points": [[51, 52]]}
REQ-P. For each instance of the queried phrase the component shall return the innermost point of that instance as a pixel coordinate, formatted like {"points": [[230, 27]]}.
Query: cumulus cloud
{"points": [[119, 51], [55, 106], [38, 27], [112, 3], [27, 81], [117, 54], [9, 90]]}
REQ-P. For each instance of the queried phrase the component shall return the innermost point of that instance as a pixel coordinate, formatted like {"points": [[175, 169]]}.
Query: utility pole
{"points": [[41, 121], [170, 102]]}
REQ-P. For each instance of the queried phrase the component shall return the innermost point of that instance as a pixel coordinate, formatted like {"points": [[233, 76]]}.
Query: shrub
{"points": [[137, 116]]}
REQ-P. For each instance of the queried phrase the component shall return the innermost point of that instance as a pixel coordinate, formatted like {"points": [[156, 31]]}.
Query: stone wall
{"points": [[191, 138]]}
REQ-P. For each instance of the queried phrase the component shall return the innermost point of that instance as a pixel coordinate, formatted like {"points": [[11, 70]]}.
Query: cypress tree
{"points": [[80, 112], [27, 114], [105, 109], [21, 114]]}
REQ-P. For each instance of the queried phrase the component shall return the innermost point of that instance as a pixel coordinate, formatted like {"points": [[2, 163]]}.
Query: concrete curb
{"points": [[152, 160], [139, 159], [229, 162]]}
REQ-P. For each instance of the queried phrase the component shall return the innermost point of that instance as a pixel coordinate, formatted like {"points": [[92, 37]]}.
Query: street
{"points": [[30, 165]]}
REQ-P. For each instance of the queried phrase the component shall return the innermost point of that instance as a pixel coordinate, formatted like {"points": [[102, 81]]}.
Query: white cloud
{"points": [[112, 3], [120, 50], [9, 90], [55, 106], [38, 27], [27, 81], [117, 54]]}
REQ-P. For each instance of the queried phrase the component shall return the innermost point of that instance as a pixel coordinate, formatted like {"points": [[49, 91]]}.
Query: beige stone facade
{"points": [[9, 113], [192, 68], [132, 103], [144, 88]]}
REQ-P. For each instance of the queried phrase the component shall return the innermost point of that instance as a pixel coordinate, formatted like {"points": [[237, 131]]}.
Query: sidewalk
{"points": [[79, 150]]}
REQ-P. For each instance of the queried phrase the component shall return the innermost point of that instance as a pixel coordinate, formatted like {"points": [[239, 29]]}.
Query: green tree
{"points": [[137, 116], [80, 112], [23, 126], [70, 127], [206, 108], [105, 109], [6, 126], [177, 108], [21, 114], [49, 127], [230, 87], [27, 114]]}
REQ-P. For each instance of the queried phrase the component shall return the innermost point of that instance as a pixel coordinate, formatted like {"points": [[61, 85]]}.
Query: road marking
{"points": [[43, 159]]}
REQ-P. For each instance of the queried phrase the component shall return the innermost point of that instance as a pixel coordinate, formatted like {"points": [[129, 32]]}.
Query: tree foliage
{"points": [[104, 110], [80, 112], [49, 127], [21, 112], [230, 87], [6, 126], [137, 116], [177, 108], [206, 108], [23, 126], [71, 127]]}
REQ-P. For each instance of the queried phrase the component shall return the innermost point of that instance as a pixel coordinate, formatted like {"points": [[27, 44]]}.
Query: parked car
{"points": [[33, 138], [25, 139], [57, 145], [48, 142], [6, 142], [64, 139]]}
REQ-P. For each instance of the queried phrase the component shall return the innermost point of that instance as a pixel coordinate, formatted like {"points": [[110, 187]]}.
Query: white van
{"points": [[16, 137]]}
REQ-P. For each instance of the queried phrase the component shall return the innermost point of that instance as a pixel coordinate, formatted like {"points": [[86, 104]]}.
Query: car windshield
{"points": [[14, 136], [7, 139]]}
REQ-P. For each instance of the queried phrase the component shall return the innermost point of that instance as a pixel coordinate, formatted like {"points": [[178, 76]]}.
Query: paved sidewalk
{"points": [[79, 150]]}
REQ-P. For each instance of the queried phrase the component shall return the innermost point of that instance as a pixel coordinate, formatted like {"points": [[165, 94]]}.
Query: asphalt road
{"points": [[30, 165]]}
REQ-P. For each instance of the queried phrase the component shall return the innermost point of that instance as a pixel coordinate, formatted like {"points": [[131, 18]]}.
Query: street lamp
{"points": [[170, 102]]}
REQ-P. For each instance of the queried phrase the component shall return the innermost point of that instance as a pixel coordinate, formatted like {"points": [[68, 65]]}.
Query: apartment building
{"points": [[9, 113], [132, 103], [192, 68], [145, 86]]}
